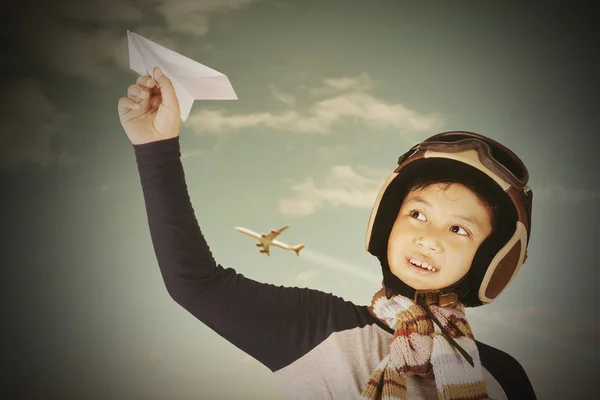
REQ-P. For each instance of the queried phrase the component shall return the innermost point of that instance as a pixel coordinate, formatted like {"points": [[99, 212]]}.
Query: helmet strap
{"points": [[445, 297]]}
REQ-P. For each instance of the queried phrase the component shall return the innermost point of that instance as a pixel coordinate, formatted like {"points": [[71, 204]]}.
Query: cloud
{"points": [[72, 37], [52, 33], [346, 101], [90, 55], [285, 98], [360, 83], [28, 129], [343, 186], [306, 276], [560, 194], [333, 151], [105, 11], [192, 17]]}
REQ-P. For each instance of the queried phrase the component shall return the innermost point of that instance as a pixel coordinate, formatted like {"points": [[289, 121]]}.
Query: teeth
{"points": [[422, 265]]}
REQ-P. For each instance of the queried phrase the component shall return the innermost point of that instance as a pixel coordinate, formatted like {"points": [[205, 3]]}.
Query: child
{"points": [[450, 228]]}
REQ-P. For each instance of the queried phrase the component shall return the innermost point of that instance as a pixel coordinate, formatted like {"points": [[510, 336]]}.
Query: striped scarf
{"points": [[418, 347]]}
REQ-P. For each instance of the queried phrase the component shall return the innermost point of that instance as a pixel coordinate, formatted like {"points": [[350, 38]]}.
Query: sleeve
{"points": [[276, 325], [507, 371]]}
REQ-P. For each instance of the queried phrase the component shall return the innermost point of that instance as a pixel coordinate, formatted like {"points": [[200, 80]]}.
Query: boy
{"points": [[450, 227]]}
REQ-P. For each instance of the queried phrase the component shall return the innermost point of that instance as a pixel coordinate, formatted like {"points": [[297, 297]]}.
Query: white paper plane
{"points": [[191, 80], [266, 240]]}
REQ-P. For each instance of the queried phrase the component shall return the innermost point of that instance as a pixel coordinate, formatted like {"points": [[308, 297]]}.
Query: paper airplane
{"points": [[191, 80]]}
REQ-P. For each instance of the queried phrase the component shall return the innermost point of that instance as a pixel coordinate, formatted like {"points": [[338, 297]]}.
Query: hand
{"points": [[150, 112]]}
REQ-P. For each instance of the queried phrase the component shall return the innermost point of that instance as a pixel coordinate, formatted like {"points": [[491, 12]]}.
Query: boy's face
{"points": [[442, 227]]}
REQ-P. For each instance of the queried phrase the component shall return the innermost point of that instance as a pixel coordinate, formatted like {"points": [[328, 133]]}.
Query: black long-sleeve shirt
{"points": [[320, 345]]}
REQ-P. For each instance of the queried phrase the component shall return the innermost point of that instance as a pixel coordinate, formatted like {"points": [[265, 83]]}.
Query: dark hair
{"points": [[485, 197]]}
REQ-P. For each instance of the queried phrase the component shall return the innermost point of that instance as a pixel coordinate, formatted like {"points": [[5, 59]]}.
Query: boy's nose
{"points": [[428, 243]]}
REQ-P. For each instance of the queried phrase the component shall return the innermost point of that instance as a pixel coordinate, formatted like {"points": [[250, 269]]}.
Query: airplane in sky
{"points": [[267, 240]]}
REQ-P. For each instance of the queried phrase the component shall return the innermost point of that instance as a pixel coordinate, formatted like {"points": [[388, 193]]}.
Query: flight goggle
{"points": [[495, 157]]}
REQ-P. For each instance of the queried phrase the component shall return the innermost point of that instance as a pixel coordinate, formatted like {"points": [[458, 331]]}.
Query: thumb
{"points": [[167, 91]]}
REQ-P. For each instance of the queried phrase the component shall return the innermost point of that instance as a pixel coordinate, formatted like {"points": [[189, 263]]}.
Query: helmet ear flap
{"points": [[504, 230], [486, 251], [504, 266]]}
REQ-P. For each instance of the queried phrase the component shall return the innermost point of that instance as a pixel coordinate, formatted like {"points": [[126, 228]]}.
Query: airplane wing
{"points": [[270, 236], [274, 233], [191, 80]]}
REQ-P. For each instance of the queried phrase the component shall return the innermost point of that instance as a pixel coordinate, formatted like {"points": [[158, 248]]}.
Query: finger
{"points": [[137, 93], [169, 99], [156, 101], [146, 81], [125, 105]]}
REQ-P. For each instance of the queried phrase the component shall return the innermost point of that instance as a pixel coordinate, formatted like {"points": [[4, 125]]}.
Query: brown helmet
{"points": [[497, 261]]}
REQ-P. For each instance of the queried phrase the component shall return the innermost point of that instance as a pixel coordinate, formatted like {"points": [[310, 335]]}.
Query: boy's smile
{"points": [[418, 264], [436, 235]]}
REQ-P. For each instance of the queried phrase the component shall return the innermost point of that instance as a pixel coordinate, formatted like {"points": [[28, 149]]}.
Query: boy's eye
{"points": [[458, 229], [416, 214]]}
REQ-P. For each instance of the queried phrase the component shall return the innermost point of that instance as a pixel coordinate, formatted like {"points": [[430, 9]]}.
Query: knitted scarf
{"points": [[419, 347]]}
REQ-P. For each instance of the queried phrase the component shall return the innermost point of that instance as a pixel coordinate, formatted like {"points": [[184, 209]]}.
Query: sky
{"points": [[330, 94]]}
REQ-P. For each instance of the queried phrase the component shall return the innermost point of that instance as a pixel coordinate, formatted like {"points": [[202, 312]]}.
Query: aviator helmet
{"points": [[498, 176]]}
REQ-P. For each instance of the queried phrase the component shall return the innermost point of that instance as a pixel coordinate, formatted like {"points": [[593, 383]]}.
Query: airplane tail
{"points": [[297, 248]]}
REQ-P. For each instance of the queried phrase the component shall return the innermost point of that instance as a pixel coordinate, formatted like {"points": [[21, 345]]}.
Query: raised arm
{"points": [[275, 325]]}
